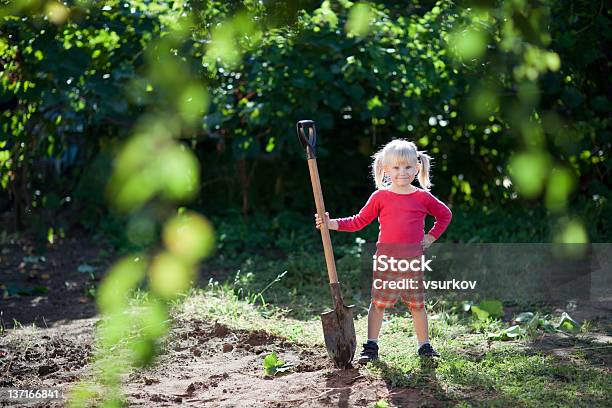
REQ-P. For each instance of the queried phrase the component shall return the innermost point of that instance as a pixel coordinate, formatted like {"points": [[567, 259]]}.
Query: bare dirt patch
{"points": [[34, 358], [197, 371], [41, 283], [204, 364]]}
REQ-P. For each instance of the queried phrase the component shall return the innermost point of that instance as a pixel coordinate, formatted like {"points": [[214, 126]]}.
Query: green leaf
{"points": [[381, 404], [523, 317], [547, 326], [560, 185], [269, 363], [534, 322], [567, 323], [529, 170], [33, 259], [325, 14], [480, 314], [20, 291], [223, 45], [467, 43], [359, 20], [493, 307], [271, 144], [85, 268], [572, 97], [272, 365], [514, 331], [374, 103], [39, 290], [573, 232], [508, 333], [124, 276]]}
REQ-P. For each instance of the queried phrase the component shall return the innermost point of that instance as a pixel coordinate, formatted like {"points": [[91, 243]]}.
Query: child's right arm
{"points": [[366, 215]]}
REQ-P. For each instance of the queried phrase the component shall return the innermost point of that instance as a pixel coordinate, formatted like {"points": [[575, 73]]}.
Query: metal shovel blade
{"points": [[339, 330]]}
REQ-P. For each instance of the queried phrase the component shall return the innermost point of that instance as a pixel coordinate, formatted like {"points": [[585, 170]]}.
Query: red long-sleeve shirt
{"points": [[401, 216]]}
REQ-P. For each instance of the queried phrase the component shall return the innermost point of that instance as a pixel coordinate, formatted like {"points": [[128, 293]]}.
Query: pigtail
{"points": [[378, 171], [424, 176]]}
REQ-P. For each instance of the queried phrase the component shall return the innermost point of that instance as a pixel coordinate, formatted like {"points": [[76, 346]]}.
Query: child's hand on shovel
{"points": [[331, 224]]}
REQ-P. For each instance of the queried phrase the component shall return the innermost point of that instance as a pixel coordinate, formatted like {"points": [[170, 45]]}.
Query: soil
{"points": [[39, 358], [207, 364], [53, 291], [198, 372]]}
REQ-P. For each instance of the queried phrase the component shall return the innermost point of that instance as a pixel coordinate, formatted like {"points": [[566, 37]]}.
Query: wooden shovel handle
{"points": [[307, 135], [327, 245]]}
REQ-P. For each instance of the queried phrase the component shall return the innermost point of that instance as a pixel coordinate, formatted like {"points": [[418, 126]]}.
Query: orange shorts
{"points": [[387, 288]]}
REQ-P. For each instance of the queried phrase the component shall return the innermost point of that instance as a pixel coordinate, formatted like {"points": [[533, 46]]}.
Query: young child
{"points": [[401, 209]]}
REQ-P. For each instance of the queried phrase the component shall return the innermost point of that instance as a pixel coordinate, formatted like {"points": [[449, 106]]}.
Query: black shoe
{"points": [[369, 352], [427, 351]]}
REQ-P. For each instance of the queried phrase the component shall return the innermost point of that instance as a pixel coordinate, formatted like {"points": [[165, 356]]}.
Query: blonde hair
{"points": [[400, 151]]}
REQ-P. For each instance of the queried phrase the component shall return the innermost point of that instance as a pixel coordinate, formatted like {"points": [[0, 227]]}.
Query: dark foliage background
{"points": [[73, 87]]}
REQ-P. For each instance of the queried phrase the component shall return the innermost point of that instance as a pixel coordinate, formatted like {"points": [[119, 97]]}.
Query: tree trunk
{"points": [[245, 183], [244, 186]]}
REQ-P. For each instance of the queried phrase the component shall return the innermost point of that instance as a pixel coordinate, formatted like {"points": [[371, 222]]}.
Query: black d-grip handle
{"points": [[307, 134]]}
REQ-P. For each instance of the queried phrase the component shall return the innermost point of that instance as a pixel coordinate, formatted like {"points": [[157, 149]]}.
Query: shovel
{"points": [[338, 326]]}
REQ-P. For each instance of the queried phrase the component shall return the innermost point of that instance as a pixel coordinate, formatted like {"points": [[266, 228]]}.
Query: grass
{"points": [[216, 303], [474, 370]]}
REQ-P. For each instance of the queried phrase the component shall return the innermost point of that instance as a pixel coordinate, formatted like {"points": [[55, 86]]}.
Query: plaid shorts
{"points": [[412, 295]]}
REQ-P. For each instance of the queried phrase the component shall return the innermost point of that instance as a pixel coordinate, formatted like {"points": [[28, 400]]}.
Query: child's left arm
{"points": [[441, 213]]}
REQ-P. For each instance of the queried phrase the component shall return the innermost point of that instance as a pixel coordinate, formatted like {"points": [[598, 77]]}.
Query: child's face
{"points": [[402, 174]]}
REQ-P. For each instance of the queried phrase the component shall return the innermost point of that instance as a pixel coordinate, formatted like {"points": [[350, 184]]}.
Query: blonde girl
{"points": [[400, 208]]}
